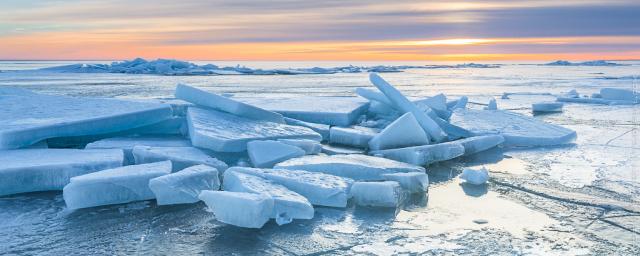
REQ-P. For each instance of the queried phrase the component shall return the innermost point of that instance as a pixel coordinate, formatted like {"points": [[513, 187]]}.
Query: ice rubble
{"points": [[180, 157], [547, 107], [128, 143], [241, 209], [183, 187], [266, 153], [475, 176], [412, 182], [377, 194], [310, 147], [403, 132], [355, 136]]}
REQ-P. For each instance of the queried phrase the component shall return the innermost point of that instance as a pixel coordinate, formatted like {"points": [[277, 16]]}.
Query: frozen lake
{"points": [[582, 198]]}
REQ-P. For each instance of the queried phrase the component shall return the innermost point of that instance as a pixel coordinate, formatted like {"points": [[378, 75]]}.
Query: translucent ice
{"points": [[183, 187], [412, 182], [461, 103], [322, 129], [403, 132], [180, 157], [477, 144], [310, 147], [377, 194], [127, 144], [266, 153], [547, 107], [340, 150], [423, 155], [475, 177], [356, 136], [247, 210]]}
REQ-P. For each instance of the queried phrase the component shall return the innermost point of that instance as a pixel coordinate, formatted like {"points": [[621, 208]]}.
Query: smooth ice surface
{"points": [[29, 170], [322, 129], [355, 136], [475, 176], [357, 167], [266, 153], [477, 144], [224, 132], [310, 147], [547, 107], [412, 182], [183, 187], [211, 100], [423, 155], [180, 157], [127, 144], [377, 193], [113, 186], [29, 118], [247, 210], [319, 188], [619, 94], [517, 129], [288, 205], [403, 132]]}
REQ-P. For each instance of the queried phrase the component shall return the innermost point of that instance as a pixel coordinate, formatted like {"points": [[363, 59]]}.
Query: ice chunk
{"points": [[437, 104], [461, 103], [310, 147], [477, 144], [127, 144], [423, 155], [412, 182], [377, 194], [573, 94], [113, 186], [356, 136], [475, 177], [265, 154], [183, 187], [228, 133], [319, 188], [596, 101], [180, 157], [247, 210], [340, 150], [207, 99], [27, 119], [29, 170], [382, 110], [403, 132], [357, 167], [492, 105], [619, 94], [322, 129], [373, 96], [288, 205], [547, 107]]}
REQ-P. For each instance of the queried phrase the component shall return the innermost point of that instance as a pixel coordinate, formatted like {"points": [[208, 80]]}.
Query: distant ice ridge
{"points": [[593, 63]]}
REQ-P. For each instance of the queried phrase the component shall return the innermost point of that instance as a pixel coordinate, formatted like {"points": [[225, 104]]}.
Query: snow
{"points": [[412, 182], [319, 188], [128, 143], [113, 186], [29, 170], [355, 136], [180, 157], [377, 194], [322, 129], [477, 144], [403, 132], [475, 176], [357, 167], [619, 94], [30, 118], [240, 209], [340, 150], [423, 155], [310, 147], [265, 154], [547, 107], [288, 205], [183, 187], [224, 132]]}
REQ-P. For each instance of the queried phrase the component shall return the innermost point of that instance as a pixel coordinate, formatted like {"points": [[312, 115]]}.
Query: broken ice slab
{"points": [[517, 129], [287, 205], [113, 186], [322, 129], [423, 155], [224, 132], [403, 132], [211, 100], [619, 94], [477, 144], [492, 105], [460, 103], [438, 104], [475, 176], [29, 118], [373, 96], [183, 187], [310, 147], [357, 167], [547, 107], [377, 194], [266, 153], [319, 188], [180, 157], [340, 150], [247, 210], [412, 182], [30, 170], [355, 136], [127, 144]]}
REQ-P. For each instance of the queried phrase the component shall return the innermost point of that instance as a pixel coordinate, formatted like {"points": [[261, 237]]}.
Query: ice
{"points": [[517, 129], [619, 94], [475, 176], [412, 182], [180, 157], [382, 110], [183, 187], [224, 132], [596, 101], [355, 136], [322, 129], [207, 99], [373, 96], [477, 144], [492, 105], [436, 103], [29, 170], [573, 94], [377, 194], [288, 205], [29, 118], [547, 107], [357, 167], [265, 154], [310, 147], [596, 63], [128, 143], [340, 150], [461, 103], [113, 186], [247, 210], [319, 188], [423, 155], [403, 132]]}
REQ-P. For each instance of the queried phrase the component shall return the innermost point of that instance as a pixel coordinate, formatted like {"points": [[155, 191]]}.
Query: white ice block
{"points": [[224, 132], [183, 187], [247, 210], [127, 144], [29, 170], [377, 194], [356, 136], [211, 100], [403, 132], [266, 153], [619, 94], [547, 107], [412, 182], [357, 167], [475, 176], [310, 147], [423, 155], [288, 205], [180, 157], [29, 118], [340, 150], [322, 129], [113, 186], [319, 188], [477, 144]]}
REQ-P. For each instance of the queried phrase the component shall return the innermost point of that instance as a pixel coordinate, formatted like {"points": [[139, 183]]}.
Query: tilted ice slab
{"points": [[211, 100], [266, 153], [180, 157], [377, 194], [114, 186], [247, 210], [403, 132], [288, 205], [355, 136], [357, 167], [477, 144], [319, 188], [29, 170], [29, 118], [340, 150], [322, 129], [183, 187], [517, 129], [310, 147], [423, 155], [224, 132], [127, 144], [412, 182], [547, 107]]}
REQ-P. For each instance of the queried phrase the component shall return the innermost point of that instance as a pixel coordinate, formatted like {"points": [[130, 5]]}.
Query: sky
{"points": [[320, 30]]}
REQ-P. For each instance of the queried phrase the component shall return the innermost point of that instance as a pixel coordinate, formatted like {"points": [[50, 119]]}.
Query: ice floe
{"points": [[597, 63], [423, 155], [377, 193], [542, 107], [266, 153], [180, 157], [248, 210], [480, 143], [183, 187], [403, 132]]}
